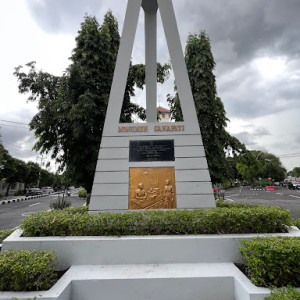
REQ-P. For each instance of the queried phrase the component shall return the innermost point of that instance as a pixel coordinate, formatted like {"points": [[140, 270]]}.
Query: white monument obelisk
{"points": [[151, 165]]}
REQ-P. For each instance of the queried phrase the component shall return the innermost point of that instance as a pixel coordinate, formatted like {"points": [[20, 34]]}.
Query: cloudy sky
{"points": [[256, 46]]}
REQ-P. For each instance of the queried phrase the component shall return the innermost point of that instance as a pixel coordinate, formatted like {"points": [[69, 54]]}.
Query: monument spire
{"points": [[151, 165]]}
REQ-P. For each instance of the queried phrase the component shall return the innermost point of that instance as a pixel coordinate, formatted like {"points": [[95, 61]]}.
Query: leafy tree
{"points": [[249, 167], [255, 164], [295, 172], [209, 108], [72, 107], [32, 174], [9, 170], [47, 178]]}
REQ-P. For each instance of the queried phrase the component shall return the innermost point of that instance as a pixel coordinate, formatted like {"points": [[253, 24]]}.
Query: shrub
{"points": [[272, 261], [19, 193], [5, 233], [23, 270], [79, 209], [60, 203], [82, 193], [1, 195], [261, 219], [284, 293], [223, 204], [296, 222]]}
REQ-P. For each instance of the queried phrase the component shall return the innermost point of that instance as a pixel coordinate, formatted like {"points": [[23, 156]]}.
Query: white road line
{"points": [[279, 194], [294, 196], [27, 213], [227, 199], [34, 204]]}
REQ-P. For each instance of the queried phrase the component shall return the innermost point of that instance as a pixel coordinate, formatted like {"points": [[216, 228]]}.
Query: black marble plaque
{"points": [[158, 150]]}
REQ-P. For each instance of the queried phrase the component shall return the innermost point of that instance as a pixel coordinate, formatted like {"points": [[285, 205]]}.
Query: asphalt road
{"points": [[12, 214], [283, 197]]}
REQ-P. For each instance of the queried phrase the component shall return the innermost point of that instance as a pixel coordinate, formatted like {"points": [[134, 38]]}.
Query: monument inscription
{"points": [[156, 150]]}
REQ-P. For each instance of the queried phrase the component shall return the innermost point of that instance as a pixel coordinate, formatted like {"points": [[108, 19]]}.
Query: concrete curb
{"points": [[23, 198]]}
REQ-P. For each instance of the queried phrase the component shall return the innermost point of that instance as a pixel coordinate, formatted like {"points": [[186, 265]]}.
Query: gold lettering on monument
{"points": [[133, 129], [157, 128], [168, 128], [152, 188]]}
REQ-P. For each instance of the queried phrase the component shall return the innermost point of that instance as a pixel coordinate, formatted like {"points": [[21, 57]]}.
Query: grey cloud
{"points": [[240, 31], [17, 138], [248, 26], [246, 95], [65, 16], [246, 138]]}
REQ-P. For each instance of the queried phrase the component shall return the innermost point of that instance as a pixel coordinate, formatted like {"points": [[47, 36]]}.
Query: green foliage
{"points": [[284, 293], [1, 195], [209, 108], [19, 193], [224, 204], [295, 172], [256, 219], [5, 233], [272, 261], [82, 193], [254, 164], [60, 203], [296, 222], [14, 170], [26, 299], [22, 270], [77, 210]]}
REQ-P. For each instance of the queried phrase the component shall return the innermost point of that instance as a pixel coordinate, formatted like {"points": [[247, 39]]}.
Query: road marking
{"points": [[34, 204], [27, 214], [227, 199], [279, 194], [294, 196]]}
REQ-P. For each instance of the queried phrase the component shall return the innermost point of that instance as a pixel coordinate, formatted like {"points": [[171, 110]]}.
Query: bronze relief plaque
{"points": [[152, 188]]}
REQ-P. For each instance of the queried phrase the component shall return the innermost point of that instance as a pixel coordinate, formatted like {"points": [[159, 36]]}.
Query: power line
{"points": [[14, 122], [289, 155], [13, 126]]}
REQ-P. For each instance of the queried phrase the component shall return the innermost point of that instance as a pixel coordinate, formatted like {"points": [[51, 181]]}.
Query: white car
{"points": [[47, 190]]}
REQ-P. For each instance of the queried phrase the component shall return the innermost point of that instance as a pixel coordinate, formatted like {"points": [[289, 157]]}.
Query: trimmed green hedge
{"points": [[223, 204], [272, 261], [284, 293], [82, 193], [22, 270], [296, 222], [5, 233], [261, 219]]}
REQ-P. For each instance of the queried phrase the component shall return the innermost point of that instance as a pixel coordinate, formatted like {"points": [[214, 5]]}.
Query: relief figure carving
{"points": [[140, 192], [156, 188]]}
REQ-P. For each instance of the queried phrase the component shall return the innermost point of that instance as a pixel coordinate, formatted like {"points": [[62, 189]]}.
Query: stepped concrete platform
{"points": [[221, 281], [145, 267]]}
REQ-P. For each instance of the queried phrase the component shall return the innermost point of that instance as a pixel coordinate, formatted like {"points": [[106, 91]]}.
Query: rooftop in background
{"points": [[162, 109]]}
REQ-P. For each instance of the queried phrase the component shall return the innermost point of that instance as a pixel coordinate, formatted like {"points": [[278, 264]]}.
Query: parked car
{"points": [[294, 185], [47, 190], [33, 192]]}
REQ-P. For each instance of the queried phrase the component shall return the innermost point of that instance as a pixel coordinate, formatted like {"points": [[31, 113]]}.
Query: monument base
{"points": [[149, 169]]}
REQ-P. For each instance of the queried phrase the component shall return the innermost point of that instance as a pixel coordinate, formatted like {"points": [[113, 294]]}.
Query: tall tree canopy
{"points": [[295, 172], [254, 164], [72, 107], [209, 107]]}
